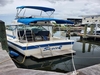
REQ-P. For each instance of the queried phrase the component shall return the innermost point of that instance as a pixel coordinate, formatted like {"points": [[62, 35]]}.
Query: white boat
{"points": [[32, 36]]}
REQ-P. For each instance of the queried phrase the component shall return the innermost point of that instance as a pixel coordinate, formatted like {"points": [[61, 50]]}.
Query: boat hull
{"points": [[50, 48]]}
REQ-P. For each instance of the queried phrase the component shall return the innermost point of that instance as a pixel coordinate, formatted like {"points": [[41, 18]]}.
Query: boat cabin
{"points": [[41, 31]]}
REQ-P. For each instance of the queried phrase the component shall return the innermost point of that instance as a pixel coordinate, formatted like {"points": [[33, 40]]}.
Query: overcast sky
{"points": [[64, 8]]}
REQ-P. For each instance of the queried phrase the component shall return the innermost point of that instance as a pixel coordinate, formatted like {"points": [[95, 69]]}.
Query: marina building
{"points": [[77, 21], [91, 19]]}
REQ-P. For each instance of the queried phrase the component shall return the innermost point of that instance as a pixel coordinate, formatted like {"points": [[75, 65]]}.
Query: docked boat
{"points": [[33, 35]]}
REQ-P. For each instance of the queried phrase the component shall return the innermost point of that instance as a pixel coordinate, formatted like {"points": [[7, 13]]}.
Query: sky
{"points": [[63, 8]]}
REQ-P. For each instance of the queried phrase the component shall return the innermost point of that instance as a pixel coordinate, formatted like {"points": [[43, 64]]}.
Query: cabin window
{"points": [[32, 33]]}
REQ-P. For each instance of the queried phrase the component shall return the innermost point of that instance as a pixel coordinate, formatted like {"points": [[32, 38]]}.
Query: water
{"points": [[87, 54]]}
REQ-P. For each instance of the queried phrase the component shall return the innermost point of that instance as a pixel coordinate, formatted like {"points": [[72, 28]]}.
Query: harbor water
{"points": [[87, 54]]}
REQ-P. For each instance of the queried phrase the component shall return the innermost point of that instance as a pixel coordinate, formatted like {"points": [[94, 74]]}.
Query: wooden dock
{"points": [[88, 36]]}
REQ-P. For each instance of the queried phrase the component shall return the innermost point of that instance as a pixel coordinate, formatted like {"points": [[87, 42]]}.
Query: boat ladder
{"points": [[45, 54]]}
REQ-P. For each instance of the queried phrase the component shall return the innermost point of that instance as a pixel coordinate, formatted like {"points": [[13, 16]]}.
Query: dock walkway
{"points": [[96, 36], [7, 67]]}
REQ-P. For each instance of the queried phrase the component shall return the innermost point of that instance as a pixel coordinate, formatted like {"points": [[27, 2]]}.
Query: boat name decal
{"points": [[52, 48]]}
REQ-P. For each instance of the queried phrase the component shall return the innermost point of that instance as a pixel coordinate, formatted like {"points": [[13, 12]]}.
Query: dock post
{"points": [[92, 28], [83, 47], [69, 32], [85, 31], [3, 38], [89, 47]]}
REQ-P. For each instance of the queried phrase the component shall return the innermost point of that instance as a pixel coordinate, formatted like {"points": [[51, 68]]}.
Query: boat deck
{"points": [[54, 53]]}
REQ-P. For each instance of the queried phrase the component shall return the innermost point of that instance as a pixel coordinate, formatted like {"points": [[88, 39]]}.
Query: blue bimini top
{"points": [[45, 9], [27, 21]]}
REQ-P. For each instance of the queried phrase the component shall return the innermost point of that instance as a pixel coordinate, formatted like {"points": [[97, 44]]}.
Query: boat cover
{"points": [[45, 9], [27, 21]]}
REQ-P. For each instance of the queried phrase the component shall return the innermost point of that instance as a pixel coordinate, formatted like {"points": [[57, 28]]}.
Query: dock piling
{"points": [[83, 47], [69, 32], [85, 31], [3, 38], [92, 28]]}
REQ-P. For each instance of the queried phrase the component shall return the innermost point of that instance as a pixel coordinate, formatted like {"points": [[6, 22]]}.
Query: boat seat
{"points": [[45, 37], [43, 34]]}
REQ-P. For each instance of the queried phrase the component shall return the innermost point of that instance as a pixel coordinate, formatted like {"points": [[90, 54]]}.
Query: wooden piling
{"points": [[68, 32], [83, 49], [92, 28], [85, 31], [89, 47], [3, 38]]}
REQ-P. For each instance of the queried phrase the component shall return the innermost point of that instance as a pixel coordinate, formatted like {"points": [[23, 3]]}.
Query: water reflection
{"points": [[89, 46], [59, 64], [83, 49], [87, 52]]}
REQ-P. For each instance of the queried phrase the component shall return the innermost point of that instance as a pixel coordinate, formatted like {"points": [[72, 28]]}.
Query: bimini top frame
{"points": [[45, 9]]}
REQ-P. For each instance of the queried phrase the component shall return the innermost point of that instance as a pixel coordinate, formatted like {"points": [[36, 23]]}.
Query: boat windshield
{"points": [[35, 29], [32, 33]]}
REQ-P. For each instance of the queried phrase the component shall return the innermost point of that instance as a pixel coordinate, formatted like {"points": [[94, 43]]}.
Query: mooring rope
{"points": [[21, 62], [73, 63]]}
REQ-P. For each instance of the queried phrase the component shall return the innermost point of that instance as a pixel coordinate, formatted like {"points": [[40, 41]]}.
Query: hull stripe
{"points": [[42, 45]]}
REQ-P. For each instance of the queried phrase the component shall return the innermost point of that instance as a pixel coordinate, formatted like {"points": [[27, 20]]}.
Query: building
{"points": [[91, 19], [77, 21]]}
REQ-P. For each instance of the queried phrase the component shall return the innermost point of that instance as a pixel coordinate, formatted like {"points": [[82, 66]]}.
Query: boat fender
{"points": [[13, 53]]}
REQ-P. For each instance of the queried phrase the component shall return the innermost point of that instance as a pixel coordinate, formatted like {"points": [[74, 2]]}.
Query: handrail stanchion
{"points": [[50, 50], [41, 52]]}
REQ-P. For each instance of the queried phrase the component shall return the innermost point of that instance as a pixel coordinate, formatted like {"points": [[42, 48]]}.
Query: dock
{"points": [[89, 36]]}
